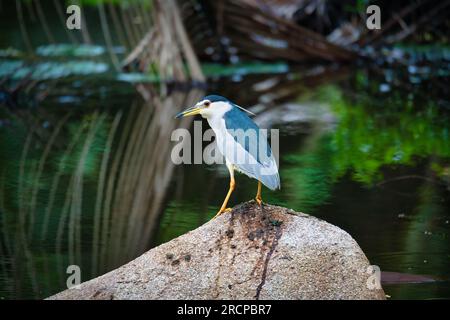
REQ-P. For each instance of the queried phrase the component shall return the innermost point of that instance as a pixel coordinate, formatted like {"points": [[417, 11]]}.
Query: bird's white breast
{"points": [[215, 117]]}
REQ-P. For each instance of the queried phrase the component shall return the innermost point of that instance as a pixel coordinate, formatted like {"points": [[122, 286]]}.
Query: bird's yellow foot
{"points": [[259, 201], [222, 211]]}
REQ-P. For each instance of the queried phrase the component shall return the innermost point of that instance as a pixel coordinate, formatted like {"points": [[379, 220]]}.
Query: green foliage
{"points": [[368, 137]]}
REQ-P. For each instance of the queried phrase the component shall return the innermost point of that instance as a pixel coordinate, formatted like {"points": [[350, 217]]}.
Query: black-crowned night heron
{"points": [[240, 141]]}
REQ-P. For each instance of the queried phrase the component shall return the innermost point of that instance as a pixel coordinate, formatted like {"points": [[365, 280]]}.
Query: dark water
{"points": [[86, 177], [380, 173]]}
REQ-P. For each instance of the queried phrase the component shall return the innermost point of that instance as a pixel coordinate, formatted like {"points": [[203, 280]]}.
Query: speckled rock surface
{"points": [[248, 253]]}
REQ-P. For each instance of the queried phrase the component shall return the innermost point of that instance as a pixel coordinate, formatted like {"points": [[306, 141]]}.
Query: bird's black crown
{"points": [[215, 98]]}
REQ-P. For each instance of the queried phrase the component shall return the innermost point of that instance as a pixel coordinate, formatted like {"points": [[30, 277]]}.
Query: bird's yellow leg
{"points": [[258, 197], [225, 202]]}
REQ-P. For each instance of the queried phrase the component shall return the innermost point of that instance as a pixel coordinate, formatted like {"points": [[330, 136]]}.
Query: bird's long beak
{"points": [[189, 112]]}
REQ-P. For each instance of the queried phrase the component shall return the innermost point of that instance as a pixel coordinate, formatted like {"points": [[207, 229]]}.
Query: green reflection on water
{"points": [[321, 169], [77, 188]]}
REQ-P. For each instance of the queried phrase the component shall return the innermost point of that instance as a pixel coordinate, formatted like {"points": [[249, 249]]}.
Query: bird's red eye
{"points": [[207, 103]]}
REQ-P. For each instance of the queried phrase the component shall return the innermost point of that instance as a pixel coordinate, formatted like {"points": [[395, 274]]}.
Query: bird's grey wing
{"points": [[253, 155]]}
